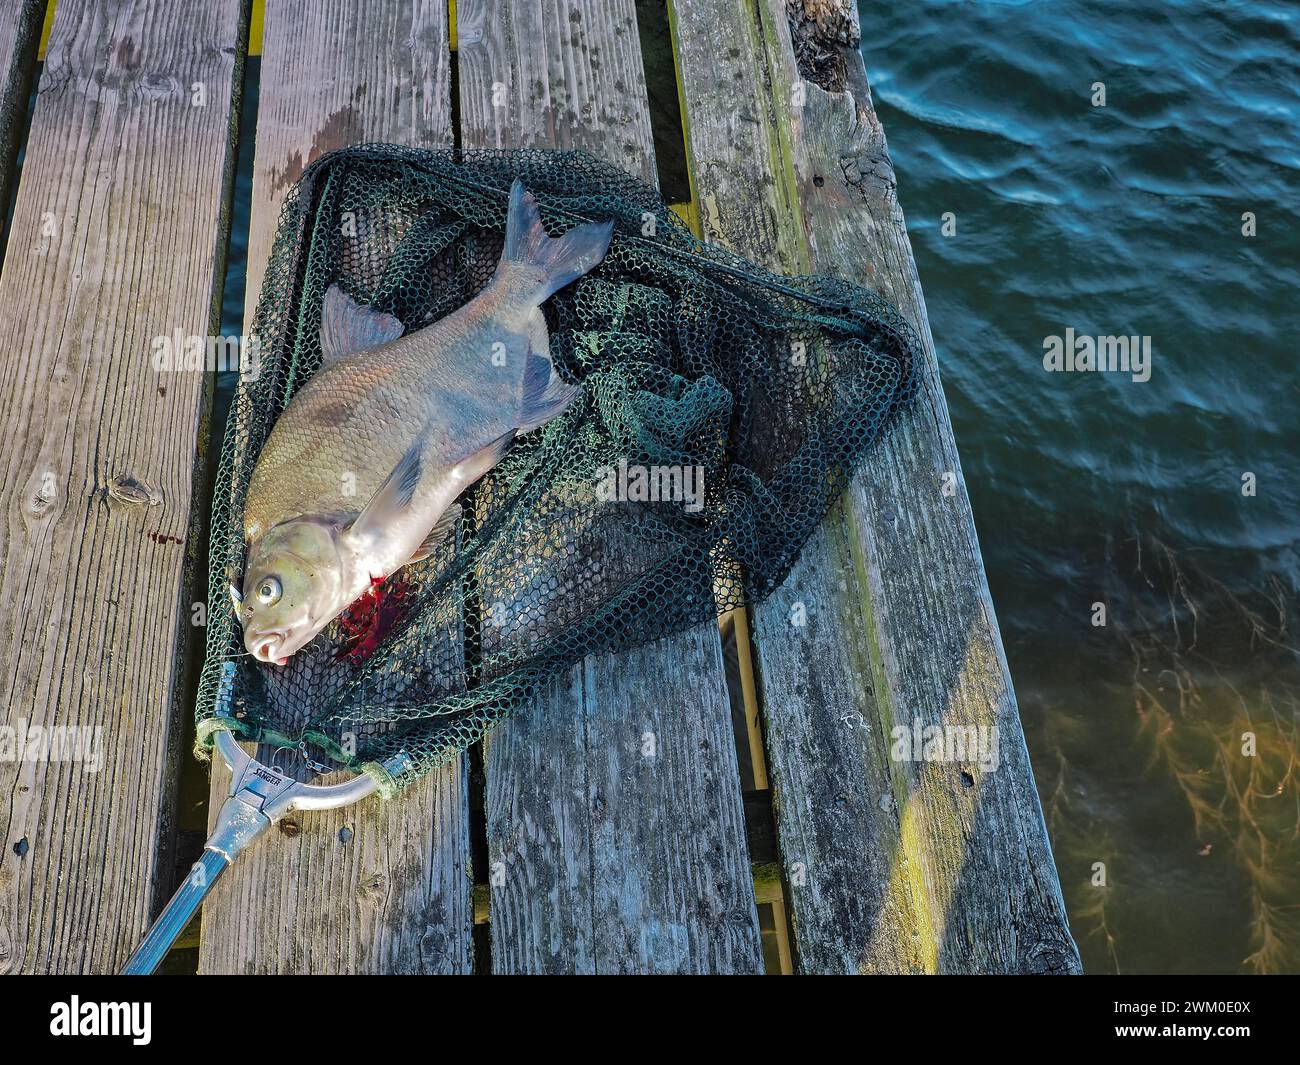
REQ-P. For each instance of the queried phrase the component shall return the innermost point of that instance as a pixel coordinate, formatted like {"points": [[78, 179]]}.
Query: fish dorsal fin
{"points": [[392, 498], [347, 326], [441, 530]]}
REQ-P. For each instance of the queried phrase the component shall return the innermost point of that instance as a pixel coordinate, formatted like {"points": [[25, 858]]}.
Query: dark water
{"points": [[1094, 488]]}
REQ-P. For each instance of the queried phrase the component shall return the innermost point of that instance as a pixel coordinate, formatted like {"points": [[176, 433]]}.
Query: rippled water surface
{"points": [[1165, 741]]}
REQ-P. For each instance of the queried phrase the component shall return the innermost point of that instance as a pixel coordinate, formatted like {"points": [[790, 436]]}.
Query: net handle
{"points": [[259, 797], [295, 796]]}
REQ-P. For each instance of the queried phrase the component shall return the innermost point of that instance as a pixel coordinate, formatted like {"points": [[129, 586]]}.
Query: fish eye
{"points": [[268, 591]]}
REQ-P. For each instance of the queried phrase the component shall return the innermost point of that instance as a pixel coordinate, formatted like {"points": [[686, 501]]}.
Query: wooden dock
{"points": [[772, 830]]}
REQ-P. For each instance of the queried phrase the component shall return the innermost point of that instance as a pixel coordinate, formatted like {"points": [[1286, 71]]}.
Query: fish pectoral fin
{"points": [[347, 326], [400, 489], [392, 498], [440, 531]]}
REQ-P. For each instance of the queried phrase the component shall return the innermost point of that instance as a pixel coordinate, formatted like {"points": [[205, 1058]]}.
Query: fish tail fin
{"points": [[562, 259]]}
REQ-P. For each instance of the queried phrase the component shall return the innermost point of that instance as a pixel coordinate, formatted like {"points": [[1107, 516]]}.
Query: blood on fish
{"points": [[372, 617]]}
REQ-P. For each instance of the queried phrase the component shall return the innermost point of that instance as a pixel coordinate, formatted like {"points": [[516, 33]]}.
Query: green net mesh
{"points": [[760, 394]]}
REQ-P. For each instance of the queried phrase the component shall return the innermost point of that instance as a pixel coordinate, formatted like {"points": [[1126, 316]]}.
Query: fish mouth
{"points": [[274, 646], [277, 646]]}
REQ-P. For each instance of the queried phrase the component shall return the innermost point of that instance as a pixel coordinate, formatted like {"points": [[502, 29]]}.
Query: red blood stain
{"points": [[372, 617]]}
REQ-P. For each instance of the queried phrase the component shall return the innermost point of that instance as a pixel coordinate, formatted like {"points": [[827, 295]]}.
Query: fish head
{"points": [[294, 585]]}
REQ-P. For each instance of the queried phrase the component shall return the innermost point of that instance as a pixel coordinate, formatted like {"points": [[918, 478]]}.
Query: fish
{"points": [[360, 474]]}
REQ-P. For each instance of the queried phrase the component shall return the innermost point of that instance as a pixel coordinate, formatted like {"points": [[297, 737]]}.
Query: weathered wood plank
{"points": [[891, 866], [604, 860], [116, 239], [20, 36], [568, 75], [391, 894]]}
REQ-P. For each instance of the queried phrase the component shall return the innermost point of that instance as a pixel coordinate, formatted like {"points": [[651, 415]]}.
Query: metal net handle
{"points": [[259, 797]]}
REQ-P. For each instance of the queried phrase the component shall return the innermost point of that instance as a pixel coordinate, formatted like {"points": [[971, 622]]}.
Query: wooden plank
{"points": [[891, 865], [392, 892], [604, 860], [116, 240], [20, 35], [567, 74]]}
